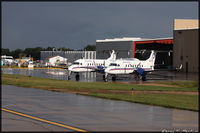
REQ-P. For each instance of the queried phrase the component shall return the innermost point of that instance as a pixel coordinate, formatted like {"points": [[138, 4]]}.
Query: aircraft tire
{"points": [[104, 77], [106, 80], [144, 78], [77, 77], [113, 78], [137, 77]]}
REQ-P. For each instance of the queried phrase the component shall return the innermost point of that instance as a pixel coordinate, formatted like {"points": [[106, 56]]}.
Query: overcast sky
{"points": [[77, 24]]}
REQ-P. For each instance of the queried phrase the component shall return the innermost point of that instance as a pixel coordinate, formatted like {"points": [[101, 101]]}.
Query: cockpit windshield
{"points": [[113, 64], [76, 63]]}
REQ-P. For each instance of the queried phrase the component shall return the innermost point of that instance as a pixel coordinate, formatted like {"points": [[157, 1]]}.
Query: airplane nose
{"points": [[70, 68], [107, 70]]}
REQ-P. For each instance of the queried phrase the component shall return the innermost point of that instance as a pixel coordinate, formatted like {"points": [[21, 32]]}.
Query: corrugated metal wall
{"points": [[70, 55], [186, 50], [124, 49]]}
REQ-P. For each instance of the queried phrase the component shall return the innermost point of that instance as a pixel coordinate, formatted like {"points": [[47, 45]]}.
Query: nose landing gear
{"points": [[105, 77]]}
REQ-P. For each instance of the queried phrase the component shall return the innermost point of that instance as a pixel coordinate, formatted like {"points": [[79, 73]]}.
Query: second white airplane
{"points": [[131, 66]]}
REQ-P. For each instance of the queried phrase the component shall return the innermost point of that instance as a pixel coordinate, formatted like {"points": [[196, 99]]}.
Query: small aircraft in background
{"points": [[90, 65], [131, 66]]}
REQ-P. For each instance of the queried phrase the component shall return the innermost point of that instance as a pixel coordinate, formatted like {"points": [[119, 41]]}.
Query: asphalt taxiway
{"points": [[45, 110]]}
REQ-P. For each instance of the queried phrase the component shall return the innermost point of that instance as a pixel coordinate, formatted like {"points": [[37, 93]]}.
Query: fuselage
{"points": [[128, 66], [88, 65]]}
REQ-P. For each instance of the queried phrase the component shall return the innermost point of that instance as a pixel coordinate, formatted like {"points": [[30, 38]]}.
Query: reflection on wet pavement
{"points": [[61, 74]]}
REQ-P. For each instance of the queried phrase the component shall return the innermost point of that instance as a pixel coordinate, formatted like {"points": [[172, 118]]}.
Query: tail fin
{"points": [[152, 57], [112, 56]]}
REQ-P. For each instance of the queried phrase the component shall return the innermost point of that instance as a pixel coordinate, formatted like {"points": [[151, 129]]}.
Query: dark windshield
{"points": [[76, 63], [113, 64]]}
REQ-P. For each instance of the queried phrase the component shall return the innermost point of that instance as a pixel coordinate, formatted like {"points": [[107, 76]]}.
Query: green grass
{"points": [[189, 102], [44, 82], [186, 84]]}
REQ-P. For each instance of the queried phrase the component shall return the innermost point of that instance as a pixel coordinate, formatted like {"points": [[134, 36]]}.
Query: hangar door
{"points": [[163, 48]]}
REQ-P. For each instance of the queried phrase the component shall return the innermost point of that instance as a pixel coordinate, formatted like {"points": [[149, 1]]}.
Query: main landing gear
{"points": [[105, 77], [144, 76], [139, 76], [77, 77], [113, 78]]}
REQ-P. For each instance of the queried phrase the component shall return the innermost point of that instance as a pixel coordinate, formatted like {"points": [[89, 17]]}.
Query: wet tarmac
{"points": [[13, 122], [89, 113], [61, 74]]}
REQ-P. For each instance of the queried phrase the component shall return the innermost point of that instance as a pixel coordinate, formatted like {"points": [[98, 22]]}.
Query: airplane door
{"points": [[87, 66], [125, 69]]}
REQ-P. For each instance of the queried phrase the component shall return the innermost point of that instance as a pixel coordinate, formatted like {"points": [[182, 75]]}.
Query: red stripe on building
{"points": [[166, 41], [134, 44], [144, 42]]}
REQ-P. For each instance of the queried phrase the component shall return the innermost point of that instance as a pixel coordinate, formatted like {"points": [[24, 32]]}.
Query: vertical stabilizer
{"points": [[152, 57], [112, 56]]}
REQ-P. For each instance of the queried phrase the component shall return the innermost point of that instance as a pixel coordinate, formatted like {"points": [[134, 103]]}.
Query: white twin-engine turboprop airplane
{"points": [[90, 65], [131, 66]]}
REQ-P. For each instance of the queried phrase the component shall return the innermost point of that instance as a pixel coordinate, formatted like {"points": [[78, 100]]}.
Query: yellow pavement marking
{"points": [[35, 118]]}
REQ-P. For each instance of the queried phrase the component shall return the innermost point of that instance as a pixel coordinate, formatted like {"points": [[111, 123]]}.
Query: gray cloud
{"points": [[76, 24]]}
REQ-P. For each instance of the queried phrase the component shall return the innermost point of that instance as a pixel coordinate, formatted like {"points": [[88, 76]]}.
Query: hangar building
{"points": [[186, 45], [137, 48]]}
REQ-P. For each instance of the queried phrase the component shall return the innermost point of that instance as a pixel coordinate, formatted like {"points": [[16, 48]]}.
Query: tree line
{"points": [[35, 52]]}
